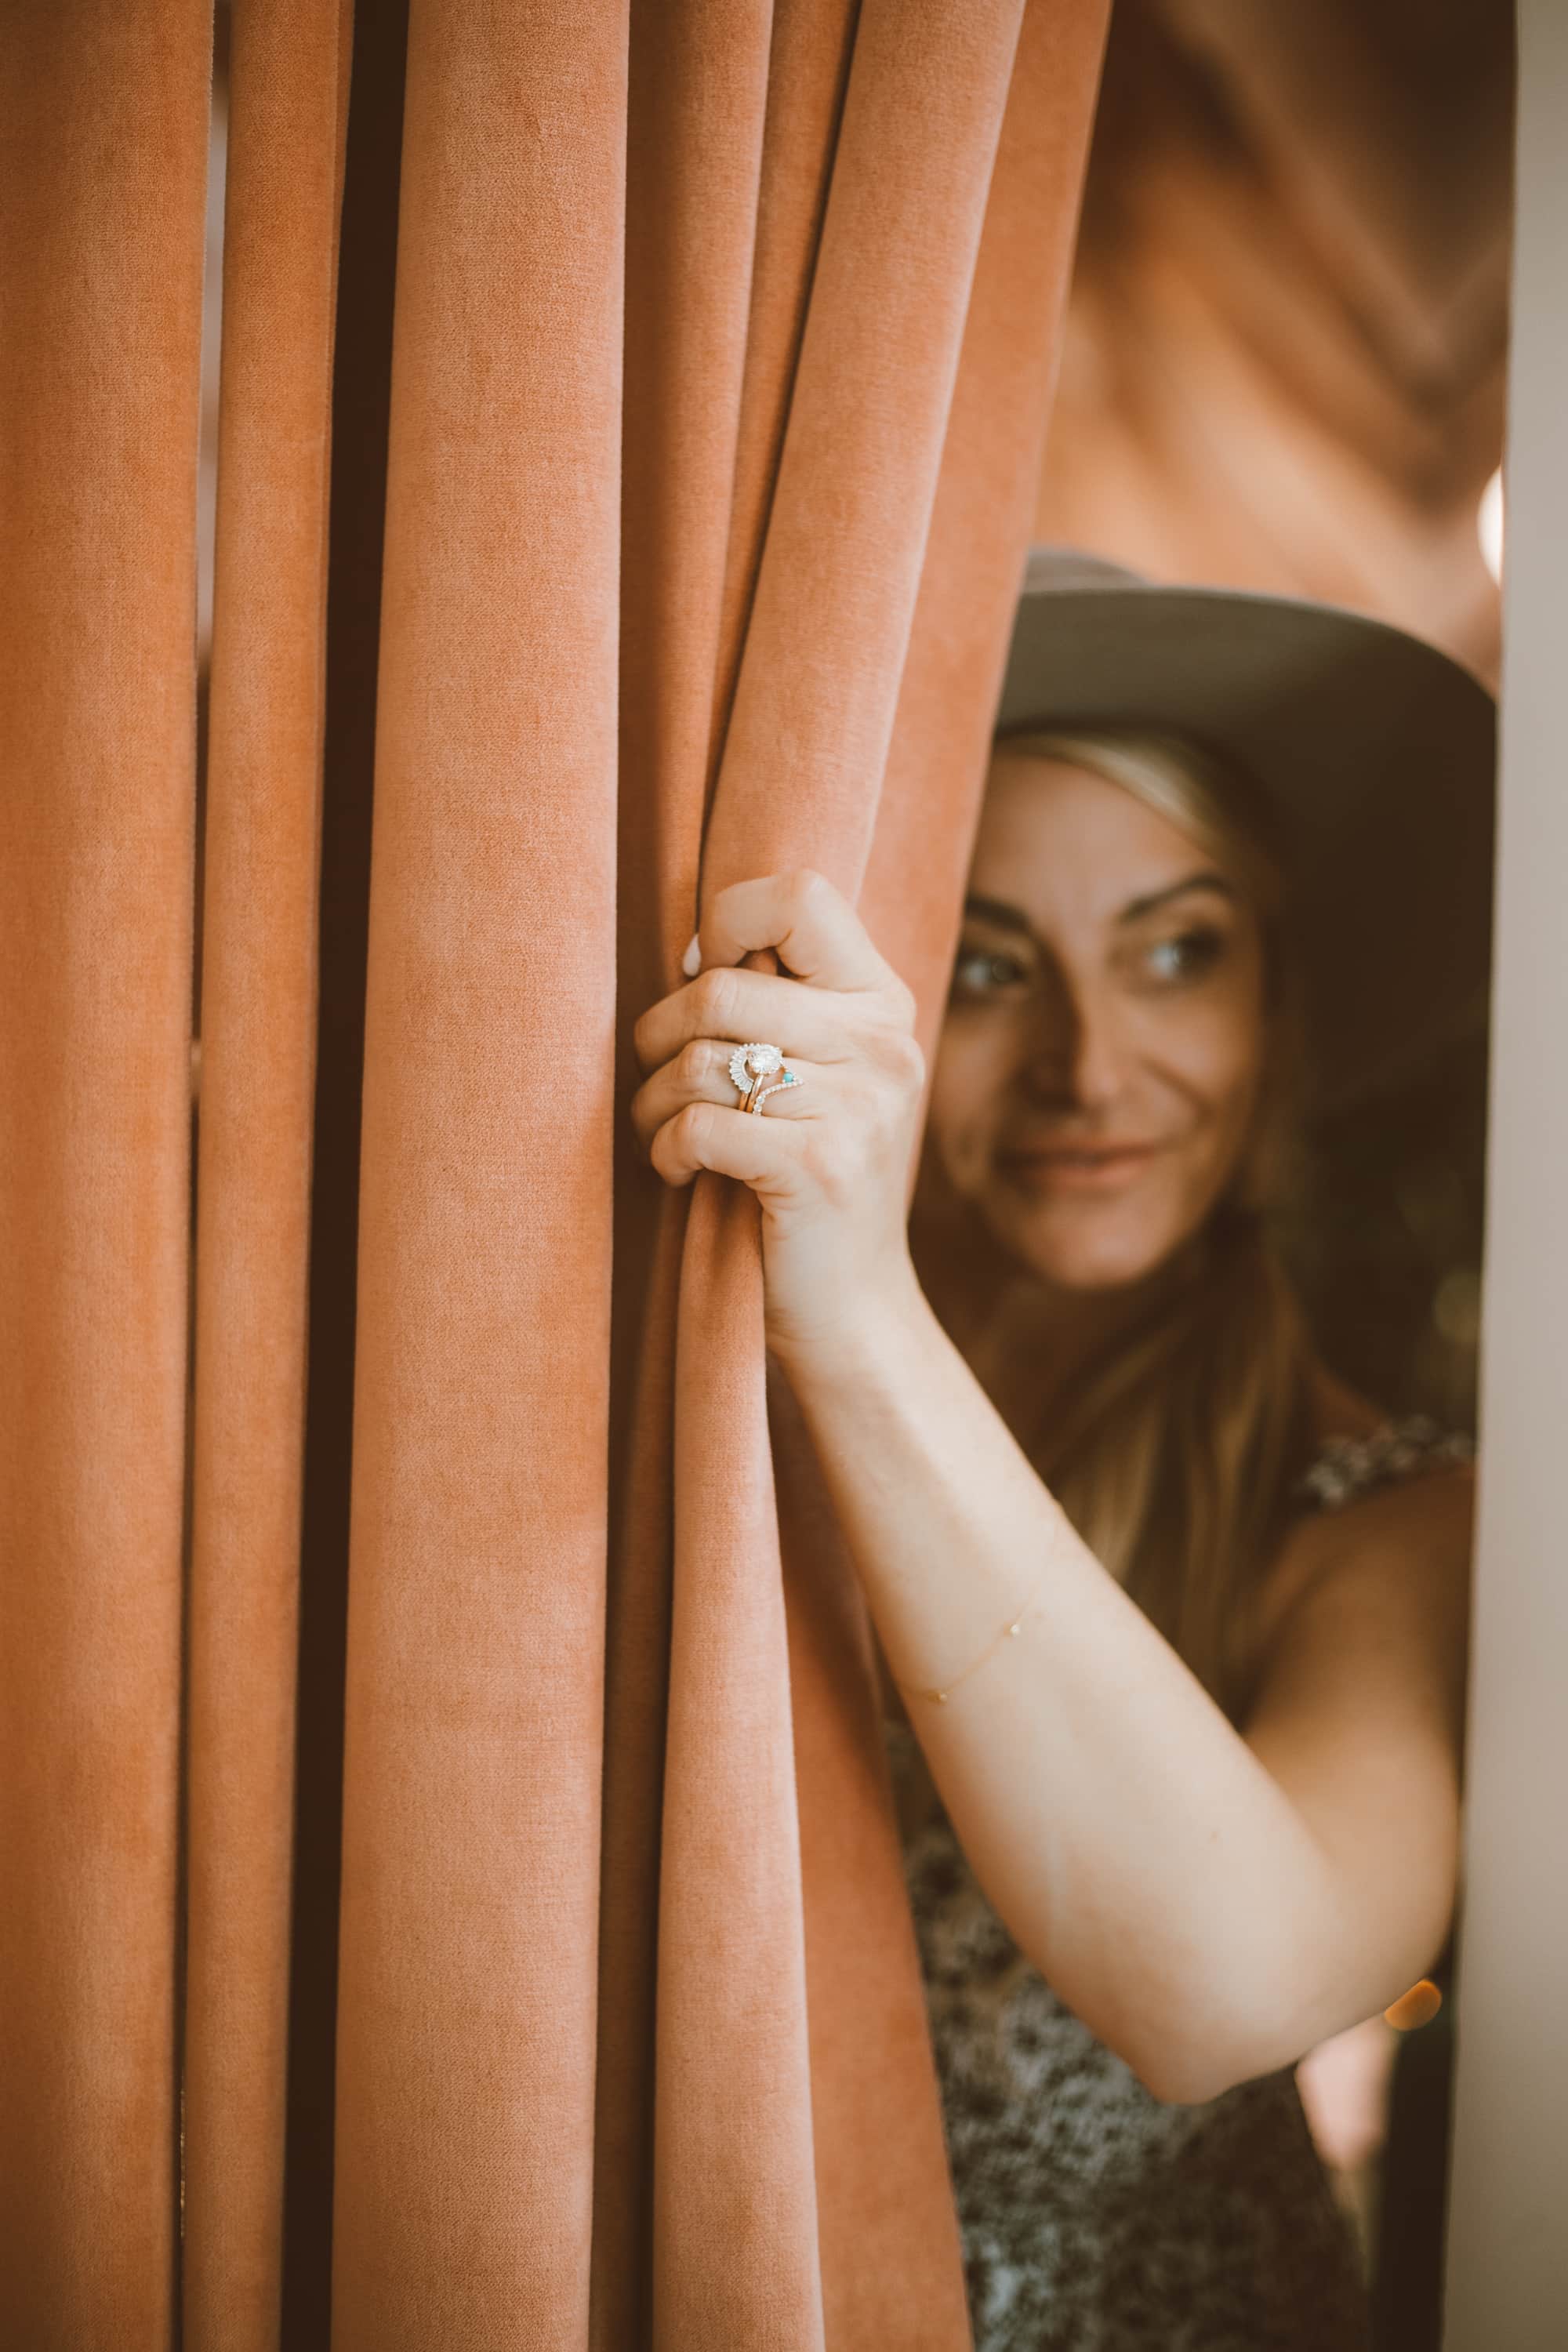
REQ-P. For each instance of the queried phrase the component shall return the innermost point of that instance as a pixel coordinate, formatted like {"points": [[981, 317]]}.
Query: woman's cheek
{"points": [[961, 1117], [1222, 1050], [953, 1148], [1223, 1073]]}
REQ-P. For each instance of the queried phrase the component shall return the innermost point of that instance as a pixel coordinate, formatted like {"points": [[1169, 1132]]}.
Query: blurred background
{"points": [[1284, 369]]}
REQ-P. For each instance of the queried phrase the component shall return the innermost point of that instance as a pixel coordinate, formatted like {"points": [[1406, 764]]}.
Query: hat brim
{"points": [[1376, 752]]}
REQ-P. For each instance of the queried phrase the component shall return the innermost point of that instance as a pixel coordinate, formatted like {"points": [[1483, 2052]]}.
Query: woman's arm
{"points": [[1209, 1907]]}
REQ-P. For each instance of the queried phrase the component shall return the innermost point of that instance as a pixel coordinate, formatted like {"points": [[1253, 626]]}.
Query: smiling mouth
{"points": [[1059, 1164], [1055, 1155]]}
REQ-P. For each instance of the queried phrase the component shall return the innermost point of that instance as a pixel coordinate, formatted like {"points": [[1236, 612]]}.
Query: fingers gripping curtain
{"points": [[721, 353]]}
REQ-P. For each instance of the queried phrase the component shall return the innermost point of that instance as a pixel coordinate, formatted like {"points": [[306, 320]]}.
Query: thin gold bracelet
{"points": [[940, 1697]]}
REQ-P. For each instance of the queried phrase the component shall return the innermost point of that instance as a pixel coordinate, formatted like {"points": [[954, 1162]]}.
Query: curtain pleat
{"points": [[476, 1597], [103, 121], [984, 508], [549, 1972], [362, 377], [736, 2236], [809, 73], [699, 87], [288, 90], [889, 2267]]}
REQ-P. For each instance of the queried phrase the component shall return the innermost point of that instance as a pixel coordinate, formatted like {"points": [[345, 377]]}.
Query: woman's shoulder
{"points": [[1349, 1427], [1376, 1481], [1362, 1448]]}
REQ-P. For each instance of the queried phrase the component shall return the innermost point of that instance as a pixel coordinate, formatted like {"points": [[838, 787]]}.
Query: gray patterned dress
{"points": [[1095, 2218]]}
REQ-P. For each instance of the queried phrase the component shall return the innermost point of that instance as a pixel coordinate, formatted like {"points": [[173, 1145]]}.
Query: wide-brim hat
{"points": [[1375, 752]]}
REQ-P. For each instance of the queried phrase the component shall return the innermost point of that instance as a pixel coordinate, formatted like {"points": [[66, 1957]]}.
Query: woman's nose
{"points": [[1080, 1054]]}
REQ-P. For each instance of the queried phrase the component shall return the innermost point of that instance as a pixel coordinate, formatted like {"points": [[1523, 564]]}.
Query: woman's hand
{"points": [[827, 1160]]}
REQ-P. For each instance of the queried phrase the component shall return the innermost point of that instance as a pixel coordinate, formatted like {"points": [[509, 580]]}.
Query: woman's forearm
{"points": [[1142, 1856]]}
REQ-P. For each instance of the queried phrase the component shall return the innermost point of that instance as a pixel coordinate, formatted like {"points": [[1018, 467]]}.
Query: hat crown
{"points": [[1048, 569]]}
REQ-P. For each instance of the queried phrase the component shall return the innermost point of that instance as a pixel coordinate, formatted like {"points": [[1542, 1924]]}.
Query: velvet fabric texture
{"points": [[713, 379]]}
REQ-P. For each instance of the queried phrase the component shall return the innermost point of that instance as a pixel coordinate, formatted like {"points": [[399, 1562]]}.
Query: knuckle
{"points": [[714, 997], [837, 1176], [694, 1125], [909, 1064], [816, 1161], [902, 998], [694, 1062], [807, 887]]}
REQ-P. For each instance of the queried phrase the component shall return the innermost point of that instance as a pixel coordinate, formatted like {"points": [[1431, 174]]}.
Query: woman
{"points": [[1177, 1745]]}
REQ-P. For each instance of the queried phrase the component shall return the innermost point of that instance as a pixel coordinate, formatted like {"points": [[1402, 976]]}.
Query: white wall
{"points": [[1506, 2244]]}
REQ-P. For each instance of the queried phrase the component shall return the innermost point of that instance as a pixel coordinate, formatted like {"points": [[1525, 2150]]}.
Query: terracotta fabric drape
{"points": [[103, 117], [287, 96], [713, 379]]}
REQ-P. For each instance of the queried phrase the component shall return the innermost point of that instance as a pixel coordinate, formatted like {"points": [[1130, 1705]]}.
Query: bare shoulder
{"points": [[1423, 1517], [1384, 1576], [1343, 1412], [1358, 1709], [1407, 1542]]}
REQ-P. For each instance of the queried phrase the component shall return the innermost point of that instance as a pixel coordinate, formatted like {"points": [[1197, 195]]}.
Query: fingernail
{"points": [[692, 962]]}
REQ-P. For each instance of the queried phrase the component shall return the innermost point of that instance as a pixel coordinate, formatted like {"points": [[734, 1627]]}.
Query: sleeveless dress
{"points": [[1095, 2218]]}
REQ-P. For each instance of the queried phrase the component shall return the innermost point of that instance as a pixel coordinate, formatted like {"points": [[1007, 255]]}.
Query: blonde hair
{"points": [[1175, 1456]]}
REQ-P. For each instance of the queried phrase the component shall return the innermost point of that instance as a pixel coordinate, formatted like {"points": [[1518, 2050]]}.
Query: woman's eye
{"points": [[1186, 955], [980, 971]]}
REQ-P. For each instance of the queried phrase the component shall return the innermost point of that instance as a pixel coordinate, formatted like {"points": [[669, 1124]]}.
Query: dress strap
{"points": [[1345, 1468]]}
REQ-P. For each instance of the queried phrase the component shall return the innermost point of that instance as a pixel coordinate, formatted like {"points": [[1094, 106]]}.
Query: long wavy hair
{"points": [[1176, 1453]]}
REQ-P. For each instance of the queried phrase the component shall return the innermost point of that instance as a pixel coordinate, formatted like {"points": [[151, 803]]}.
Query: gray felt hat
{"points": [[1374, 750]]}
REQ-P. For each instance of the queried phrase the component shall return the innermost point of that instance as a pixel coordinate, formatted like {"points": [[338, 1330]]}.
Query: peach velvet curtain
{"points": [[451, 1893]]}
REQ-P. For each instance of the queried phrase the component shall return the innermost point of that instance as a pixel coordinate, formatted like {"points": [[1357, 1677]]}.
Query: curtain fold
{"points": [[361, 403], [886, 2210], [463, 2167], [288, 100], [722, 346], [736, 2229], [104, 116], [701, 87]]}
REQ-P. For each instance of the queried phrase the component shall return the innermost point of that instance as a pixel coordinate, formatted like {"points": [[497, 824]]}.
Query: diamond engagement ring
{"points": [[758, 1071]]}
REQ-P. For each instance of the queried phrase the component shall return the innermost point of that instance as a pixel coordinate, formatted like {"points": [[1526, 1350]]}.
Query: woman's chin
{"points": [[1090, 1253], [1085, 1276]]}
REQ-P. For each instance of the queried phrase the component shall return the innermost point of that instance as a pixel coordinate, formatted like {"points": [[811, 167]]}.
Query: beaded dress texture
{"points": [[1095, 2218]]}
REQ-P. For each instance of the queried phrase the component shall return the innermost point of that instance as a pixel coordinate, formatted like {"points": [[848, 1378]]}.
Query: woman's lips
{"points": [[1057, 1169]]}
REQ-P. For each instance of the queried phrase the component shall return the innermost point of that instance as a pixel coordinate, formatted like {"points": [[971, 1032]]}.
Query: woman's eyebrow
{"points": [[998, 911], [1206, 880], [1013, 918]]}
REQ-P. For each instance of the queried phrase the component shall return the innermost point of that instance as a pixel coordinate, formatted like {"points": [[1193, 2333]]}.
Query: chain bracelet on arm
{"points": [[940, 1697]]}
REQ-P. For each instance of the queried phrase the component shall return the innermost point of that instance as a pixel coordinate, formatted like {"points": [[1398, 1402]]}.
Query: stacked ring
{"points": [[756, 1072]]}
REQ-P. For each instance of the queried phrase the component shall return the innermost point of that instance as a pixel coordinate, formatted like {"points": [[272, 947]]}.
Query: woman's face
{"points": [[1101, 1057]]}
